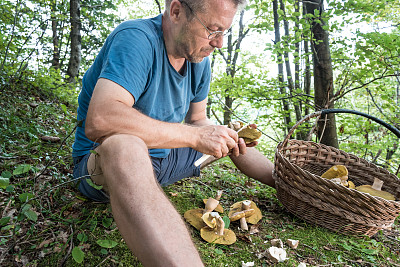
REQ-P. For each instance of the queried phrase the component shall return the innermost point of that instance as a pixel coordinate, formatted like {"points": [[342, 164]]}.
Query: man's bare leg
{"points": [[255, 165], [148, 222]]}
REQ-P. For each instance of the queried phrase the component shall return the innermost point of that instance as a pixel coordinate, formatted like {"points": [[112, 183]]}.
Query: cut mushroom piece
{"points": [[375, 190], [276, 254], [212, 203], [292, 243], [238, 207], [194, 217]]}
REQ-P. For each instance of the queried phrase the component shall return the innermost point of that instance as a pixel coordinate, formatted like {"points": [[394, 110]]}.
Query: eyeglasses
{"points": [[212, 35]]}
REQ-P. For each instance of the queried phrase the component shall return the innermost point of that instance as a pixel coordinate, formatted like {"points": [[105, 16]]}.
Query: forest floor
{"points": [[45, 222]]}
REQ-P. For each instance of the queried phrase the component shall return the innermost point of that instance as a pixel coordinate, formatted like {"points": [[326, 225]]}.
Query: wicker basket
{"points": [[298, 166]]}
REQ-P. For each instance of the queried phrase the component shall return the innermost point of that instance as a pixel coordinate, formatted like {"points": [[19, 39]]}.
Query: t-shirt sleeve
{"points": [[128, 60], [203, 86]]}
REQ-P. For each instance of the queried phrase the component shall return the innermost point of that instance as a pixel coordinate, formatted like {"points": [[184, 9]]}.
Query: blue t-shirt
{"points": [[134, 56]]}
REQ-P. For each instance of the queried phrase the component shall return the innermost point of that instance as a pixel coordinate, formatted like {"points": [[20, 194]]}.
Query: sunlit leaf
{"points": [[78, 255], [106, 243]]}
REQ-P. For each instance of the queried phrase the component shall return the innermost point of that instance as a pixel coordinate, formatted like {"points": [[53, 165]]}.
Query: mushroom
{"points": [[337, 171], [212, 203], [340, 175], [248, 133], [243, 214], [194, 218], [276, 254], [292, 243], [209, 218], [216, 234], [375, 190], [238, 207]]}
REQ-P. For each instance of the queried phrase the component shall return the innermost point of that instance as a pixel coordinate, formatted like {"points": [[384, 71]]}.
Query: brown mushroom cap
{"points": [[253, 219], [249, 134], [337, 171], [240, 214], [211, 236], [194, 218], [210, 219], [378, 193], [219, 208]]}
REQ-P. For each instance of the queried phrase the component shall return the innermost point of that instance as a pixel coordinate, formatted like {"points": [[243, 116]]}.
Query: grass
{"points": [[60, 225]]}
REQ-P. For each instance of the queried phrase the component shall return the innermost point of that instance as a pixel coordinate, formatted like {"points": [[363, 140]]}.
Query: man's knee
{"points": [[123, 147]]}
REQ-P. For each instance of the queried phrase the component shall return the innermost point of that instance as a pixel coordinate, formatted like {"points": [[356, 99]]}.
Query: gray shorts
{"points": [[178, 165]]}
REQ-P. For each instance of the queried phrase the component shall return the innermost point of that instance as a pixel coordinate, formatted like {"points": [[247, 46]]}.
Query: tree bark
{"points": [[285, 104], [75, 53], [55, 63], [323, 75]]}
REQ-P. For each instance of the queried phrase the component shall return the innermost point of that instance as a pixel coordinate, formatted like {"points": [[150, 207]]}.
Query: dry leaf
{"points": [[52, 139], [254, 229], [45, 242], [173, 194]]}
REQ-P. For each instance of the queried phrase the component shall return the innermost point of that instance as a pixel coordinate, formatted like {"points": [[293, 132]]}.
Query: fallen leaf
{"points": [[173, 194], [51, 139], [45, 242], [247, 264], [254, 229]]}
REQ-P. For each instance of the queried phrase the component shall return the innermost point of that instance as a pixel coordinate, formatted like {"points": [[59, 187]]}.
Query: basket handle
{"points": [[327, 111]]}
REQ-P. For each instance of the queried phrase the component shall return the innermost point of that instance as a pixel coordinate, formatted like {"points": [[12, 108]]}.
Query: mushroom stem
{"points": [[377, 185], [220, 225], [245, 206]]}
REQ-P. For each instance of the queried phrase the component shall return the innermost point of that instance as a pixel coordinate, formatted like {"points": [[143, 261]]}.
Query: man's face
{"points": [[192, 42]]}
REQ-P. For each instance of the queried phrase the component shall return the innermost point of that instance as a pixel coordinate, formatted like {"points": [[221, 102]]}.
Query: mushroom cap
{"points": [[211, 204], [240, 214], [253, 219], [249, 134], [351, 185], [377, 193], [209, 219], [337, 171], [219, 208], [194, 217], [211, 236]]}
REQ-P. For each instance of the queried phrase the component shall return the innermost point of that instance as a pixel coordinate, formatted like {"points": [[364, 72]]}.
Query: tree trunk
{"points": [[323, 75], [75, 56], [233, 50], [55, 63], [286, 112]]}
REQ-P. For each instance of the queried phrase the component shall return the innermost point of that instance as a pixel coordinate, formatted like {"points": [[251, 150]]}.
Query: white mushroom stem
{"points": [[245, 206], [377, 185], [220, 225]]}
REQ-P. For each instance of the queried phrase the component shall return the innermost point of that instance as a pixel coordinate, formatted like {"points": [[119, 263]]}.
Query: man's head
{"points": [[198, 26]]}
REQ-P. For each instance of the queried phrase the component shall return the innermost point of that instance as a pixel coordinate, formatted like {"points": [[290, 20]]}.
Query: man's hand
{"points": [[217, 140]]}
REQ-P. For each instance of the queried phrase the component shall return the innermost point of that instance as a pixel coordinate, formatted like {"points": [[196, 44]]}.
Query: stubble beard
{"points": [[185, 42]]}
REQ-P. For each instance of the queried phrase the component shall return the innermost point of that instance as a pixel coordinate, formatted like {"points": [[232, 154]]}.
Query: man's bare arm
{"points": [[110, 112]]}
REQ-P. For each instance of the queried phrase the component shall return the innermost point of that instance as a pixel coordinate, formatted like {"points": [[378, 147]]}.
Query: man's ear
{"points": [[176, 11]]}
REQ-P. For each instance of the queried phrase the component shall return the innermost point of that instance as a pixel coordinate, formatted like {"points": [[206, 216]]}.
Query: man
{"points": [[149, 76]]}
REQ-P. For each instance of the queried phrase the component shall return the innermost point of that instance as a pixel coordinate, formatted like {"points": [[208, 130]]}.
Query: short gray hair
{"points": [[202, 5]]}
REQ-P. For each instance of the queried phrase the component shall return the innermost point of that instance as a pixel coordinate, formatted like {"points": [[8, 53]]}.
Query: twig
{"points": [[103, 261], [70, 247]]}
